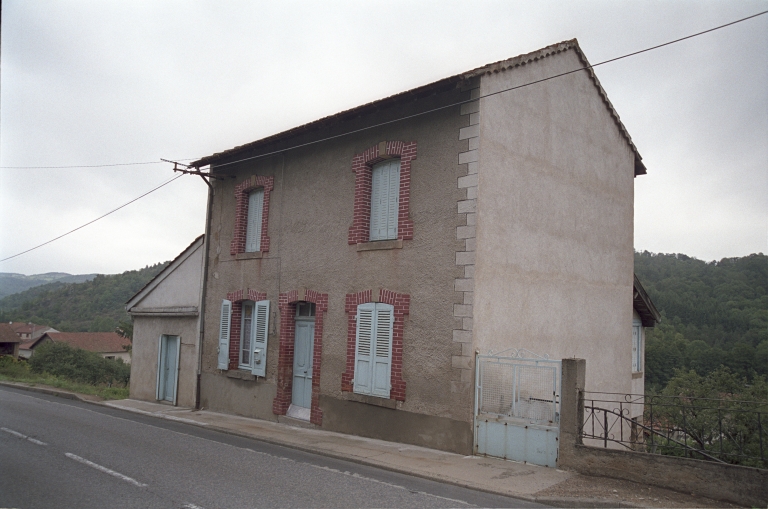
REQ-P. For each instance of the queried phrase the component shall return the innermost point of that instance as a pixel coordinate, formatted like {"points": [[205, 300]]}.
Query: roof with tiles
{"points": [[100, 342], [426, 90], [7, 334]]}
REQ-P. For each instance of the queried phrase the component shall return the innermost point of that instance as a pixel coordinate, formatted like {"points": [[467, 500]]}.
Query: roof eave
{"points": [[502, 65], [642, 303]]}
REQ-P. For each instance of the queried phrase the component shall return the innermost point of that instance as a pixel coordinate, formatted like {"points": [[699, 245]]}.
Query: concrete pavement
{"points": [[537, 484]]}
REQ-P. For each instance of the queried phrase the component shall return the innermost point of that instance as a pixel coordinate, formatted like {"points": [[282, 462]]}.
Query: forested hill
{"points": [[713, 313], [93, 306]]}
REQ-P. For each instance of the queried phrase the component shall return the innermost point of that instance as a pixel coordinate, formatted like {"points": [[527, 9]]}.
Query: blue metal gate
{"points": [[517, 407]]}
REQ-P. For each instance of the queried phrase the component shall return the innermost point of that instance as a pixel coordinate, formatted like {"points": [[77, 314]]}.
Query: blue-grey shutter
{"points": [[253, 230], [393, 198], [159, 367], [385, 199], [636, 348], [382, 350], [363, 348], [176, 371], [379, 187], [226, 317], [260, 331]]}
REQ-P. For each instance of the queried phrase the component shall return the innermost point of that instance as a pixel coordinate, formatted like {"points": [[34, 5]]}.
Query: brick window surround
{"points": [[401, 302], [287, 305], [362, 163], [237, 298], [242, 190]]}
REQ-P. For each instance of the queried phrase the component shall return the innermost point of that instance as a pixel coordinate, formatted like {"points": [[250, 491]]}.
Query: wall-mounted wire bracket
{"points": [[191, 170]]}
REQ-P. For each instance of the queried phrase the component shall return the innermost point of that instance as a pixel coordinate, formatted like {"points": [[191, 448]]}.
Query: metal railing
{"points": [[722, 430]]}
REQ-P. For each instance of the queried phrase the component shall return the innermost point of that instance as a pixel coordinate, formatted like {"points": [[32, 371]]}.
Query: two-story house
{"points": [[355, 265]]}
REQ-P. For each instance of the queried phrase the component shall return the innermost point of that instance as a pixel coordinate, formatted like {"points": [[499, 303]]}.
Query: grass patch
{"points": [[12, 370]]}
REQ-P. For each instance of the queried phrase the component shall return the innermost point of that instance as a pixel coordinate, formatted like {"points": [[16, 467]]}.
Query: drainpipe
{"points": [[201, 307]]}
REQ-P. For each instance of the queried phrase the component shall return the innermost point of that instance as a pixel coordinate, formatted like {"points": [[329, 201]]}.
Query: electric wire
{"points": [[697, 34], [94, 220], [459, 103], [85, 165]]}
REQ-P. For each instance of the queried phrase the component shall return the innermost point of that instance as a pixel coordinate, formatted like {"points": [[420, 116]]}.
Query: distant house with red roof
{"points": [[9, 341], [30, 334], [109, 345]]}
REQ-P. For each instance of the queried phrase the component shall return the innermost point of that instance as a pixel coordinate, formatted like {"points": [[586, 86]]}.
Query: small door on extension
{"points": [[168, 368]]}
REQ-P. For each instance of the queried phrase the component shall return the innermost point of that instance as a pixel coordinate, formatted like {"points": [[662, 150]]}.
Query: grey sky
{"points": [[94, 82]]}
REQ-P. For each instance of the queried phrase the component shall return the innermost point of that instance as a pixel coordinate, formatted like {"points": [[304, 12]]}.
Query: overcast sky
{"points": [[95, 82]]}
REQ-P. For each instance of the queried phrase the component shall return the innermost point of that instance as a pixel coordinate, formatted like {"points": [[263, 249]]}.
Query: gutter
{"points": [[204, 283]]}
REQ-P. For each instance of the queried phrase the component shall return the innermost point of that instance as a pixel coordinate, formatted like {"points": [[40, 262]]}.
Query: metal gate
{"points": [[517, 406]]}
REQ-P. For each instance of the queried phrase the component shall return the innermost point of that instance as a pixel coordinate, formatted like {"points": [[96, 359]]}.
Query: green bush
{"points": [[13, 367], [60, 359]]}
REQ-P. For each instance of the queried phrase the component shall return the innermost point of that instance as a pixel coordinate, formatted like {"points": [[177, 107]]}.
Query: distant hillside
{"points": [[713, 313], [11, 283], [92, 306]]}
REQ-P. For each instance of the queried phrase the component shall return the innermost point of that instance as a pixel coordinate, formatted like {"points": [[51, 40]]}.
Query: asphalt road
{"points": [[62, 453]]}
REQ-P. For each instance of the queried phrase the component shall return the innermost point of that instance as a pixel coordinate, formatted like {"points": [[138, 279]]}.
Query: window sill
{"points": [[240, 374], [248, 256], [370, 400], [377, 245], [638, 374]]}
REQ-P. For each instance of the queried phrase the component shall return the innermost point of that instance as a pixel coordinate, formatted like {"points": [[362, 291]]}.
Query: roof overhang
{"points": [[642, 303]]}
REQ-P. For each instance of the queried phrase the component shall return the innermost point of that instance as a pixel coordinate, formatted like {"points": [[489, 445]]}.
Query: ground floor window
{"points": [[373, 352], [250, 331]]}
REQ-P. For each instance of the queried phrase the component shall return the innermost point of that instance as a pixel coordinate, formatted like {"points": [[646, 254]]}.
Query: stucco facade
{"points": [[554, 262], [515, 219]]}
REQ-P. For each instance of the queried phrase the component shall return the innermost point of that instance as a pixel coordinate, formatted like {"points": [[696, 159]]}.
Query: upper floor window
{"points": [[385, 198], [252, 217], [382, 193], [253, 230]]}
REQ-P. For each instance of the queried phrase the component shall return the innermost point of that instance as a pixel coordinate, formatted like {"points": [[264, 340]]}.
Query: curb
{"points": [[59, 393]]}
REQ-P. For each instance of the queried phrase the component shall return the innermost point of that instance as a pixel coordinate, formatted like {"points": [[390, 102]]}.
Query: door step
{"points": [[296, 423]]}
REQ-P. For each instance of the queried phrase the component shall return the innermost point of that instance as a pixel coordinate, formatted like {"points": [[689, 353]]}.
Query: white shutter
{"points": [[393, 198], [260, 331], [635, 348], [253, 230], [226, 317], [382, 350], [363, 348]]}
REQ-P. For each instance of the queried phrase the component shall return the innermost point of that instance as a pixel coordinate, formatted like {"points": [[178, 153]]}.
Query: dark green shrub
{"points": [[77, 365], [13, 367]]}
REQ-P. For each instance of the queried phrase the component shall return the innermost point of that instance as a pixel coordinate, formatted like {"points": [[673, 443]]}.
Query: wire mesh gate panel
{"points": [[517, 407]]}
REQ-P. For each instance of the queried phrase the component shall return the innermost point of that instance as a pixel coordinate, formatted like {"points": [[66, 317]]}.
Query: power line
{"points": [[361, 129], [84, 165], [459, 103], [93, 221]]}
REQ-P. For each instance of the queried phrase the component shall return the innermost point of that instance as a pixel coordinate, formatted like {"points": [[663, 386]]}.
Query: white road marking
{"points": [[25, 437], [191, 506], [104, 469]]}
